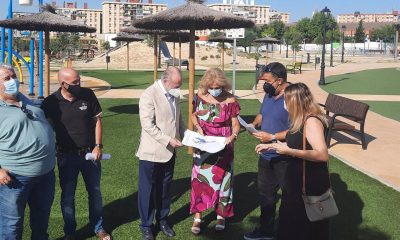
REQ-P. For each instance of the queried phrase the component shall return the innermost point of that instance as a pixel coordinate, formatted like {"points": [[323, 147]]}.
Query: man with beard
{"points": [[274, 121]]}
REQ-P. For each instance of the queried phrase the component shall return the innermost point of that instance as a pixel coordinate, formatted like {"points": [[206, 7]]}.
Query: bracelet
{"points": [[235, 134]]}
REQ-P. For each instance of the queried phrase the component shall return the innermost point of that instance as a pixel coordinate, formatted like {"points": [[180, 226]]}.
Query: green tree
{"points": [[215, 34], [359, 36], [105, 45], [250, 35], [384, 33], [317, 26], [304, 27], [293, 38]]}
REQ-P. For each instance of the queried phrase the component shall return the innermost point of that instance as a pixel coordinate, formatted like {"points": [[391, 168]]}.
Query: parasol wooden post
{"points": [[47, 63], [180, 54], [191, 80], [155, 69], [127, 56], [173, 56], [223, 56]]}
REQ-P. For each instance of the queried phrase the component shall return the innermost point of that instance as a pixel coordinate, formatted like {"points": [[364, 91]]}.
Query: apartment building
{"points": [[117, 14], [259, 14], [392, 17]]}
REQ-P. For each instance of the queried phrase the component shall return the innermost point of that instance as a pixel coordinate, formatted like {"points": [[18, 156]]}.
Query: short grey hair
{"points": [[168, 72], [7, 67]]}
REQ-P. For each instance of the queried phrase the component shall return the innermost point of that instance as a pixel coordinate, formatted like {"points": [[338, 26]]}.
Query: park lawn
{"points": [[369, 209], [376, 82], [386, 109], [120, 79]]}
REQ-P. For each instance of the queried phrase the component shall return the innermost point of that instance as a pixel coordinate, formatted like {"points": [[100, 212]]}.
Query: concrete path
{"points": [[383, 98], [381, 159]]}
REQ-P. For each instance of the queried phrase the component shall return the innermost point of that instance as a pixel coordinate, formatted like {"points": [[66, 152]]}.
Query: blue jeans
{"points": [[69, 166], [38, 193]]}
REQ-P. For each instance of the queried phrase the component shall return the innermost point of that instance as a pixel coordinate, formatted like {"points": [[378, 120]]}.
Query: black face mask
{"points": [[269, 89], [74, 89]]}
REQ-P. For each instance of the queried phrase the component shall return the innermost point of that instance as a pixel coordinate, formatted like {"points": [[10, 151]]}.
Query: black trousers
{"points": [[271, 178], [154, 191]]}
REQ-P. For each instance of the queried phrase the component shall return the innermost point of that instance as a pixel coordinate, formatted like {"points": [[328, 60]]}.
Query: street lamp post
{"points": [[325, 12], [343, 30]]}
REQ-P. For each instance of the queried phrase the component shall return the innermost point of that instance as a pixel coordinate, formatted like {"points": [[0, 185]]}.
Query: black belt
{"points": [[79, 151]]}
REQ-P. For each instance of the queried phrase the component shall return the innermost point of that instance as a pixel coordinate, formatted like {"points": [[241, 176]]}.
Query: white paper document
{"points": [[247, 126], [204, 143], [104, 156]]}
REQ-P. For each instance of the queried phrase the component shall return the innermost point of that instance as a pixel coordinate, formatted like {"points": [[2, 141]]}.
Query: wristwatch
{"points": [[99, 145], [273, 138]]}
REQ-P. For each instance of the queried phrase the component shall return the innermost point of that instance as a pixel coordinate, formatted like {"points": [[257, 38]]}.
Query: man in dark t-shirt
{"points": [[75, 114], [274, 121]]}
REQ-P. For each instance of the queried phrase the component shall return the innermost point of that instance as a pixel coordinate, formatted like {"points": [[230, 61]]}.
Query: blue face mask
{"points": [[11, 87], [215, 92]]}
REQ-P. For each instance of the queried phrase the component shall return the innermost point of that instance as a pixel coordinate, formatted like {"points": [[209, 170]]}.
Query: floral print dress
{"points": [[212, 174]]}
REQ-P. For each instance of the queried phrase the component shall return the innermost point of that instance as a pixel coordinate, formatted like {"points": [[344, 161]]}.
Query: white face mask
{"points": [[215, 92], [176, 92], [11, 87]]}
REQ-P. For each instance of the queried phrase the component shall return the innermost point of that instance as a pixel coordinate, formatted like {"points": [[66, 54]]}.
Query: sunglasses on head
{"points": [[266, 69]]}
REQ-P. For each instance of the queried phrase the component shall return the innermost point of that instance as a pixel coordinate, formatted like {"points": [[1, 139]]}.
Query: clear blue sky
{"points": [[297, 8]]}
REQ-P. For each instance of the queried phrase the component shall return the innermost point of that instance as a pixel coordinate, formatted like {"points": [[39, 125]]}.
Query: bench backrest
{"points": [[342, 105], [297, 64]]}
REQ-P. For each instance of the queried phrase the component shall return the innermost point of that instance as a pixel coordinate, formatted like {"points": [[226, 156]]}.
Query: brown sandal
{"points": [[103, 235]]}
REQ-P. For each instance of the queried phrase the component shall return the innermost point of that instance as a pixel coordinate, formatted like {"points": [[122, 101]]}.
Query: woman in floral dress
{"points": [[215, 114]]}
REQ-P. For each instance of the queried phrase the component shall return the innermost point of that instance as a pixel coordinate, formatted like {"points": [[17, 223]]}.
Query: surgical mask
{"points": [[11, 87], [74, 89], [269, 88], [215, 92], [176, 92]]}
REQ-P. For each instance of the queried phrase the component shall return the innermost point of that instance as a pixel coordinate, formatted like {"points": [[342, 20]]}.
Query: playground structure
{"points": [[16, 58]]}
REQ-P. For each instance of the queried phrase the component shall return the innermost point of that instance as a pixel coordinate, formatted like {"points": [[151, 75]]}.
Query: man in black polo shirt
{"points": [[75, 113]]}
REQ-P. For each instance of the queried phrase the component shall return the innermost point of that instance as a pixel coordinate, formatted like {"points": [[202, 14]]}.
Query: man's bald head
{"points": [[172, 77], [69, 76]]}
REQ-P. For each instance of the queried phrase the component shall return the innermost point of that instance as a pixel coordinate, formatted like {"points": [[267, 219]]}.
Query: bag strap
{"points": [[304, 161]]}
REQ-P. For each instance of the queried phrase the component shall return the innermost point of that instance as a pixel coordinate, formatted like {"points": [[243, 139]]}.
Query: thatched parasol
{"points": [[46, 21], [180, 37], [191, 16], [223, 39], [155, 33], [124, 37], [267, 40]]}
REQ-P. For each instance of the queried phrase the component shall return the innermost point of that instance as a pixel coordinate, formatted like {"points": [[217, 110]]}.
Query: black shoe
{"points": [[147, 234], [257, 234], [167, 230]]}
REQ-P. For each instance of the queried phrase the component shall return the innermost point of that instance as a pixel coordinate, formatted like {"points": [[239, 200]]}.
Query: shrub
{"points": [[211, 56], [217, 56], [203, 58]]}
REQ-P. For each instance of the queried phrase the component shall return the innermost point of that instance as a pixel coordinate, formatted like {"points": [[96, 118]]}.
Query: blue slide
{"points": [[170, 60]]}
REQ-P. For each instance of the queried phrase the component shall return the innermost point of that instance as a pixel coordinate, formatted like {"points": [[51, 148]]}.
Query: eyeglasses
{"points": [[27, 112]]}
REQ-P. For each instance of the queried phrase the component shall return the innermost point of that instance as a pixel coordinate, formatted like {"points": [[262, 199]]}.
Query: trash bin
{"points": [[317, 60], [107, 59], [308, 58]]}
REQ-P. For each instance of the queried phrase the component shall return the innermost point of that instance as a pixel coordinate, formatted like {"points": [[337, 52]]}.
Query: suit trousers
{"points": [[154, 191]]}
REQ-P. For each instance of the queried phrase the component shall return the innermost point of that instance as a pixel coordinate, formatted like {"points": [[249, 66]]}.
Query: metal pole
{"points": [[322, 77], [331, 60], [47, 60], [32, 70], [3, 44], [10, 33], [342, 60], [40, 57], [127, 56], [234, 67]]}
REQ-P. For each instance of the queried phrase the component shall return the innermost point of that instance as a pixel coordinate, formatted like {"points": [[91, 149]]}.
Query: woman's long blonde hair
{"points": [[300, 104], [213, 75]]}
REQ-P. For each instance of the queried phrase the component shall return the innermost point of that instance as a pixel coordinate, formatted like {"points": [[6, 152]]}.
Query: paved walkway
{"points": [[383, 98], [381, 159]]}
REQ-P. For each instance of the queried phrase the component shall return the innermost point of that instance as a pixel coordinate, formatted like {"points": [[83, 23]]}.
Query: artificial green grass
{"points": [[376, 81], [120, 79], [368, 209], [386, 109]]}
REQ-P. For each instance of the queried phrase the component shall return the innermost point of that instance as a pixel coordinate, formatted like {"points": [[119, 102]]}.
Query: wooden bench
{"points": [[294, 67], [337, 106]]}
